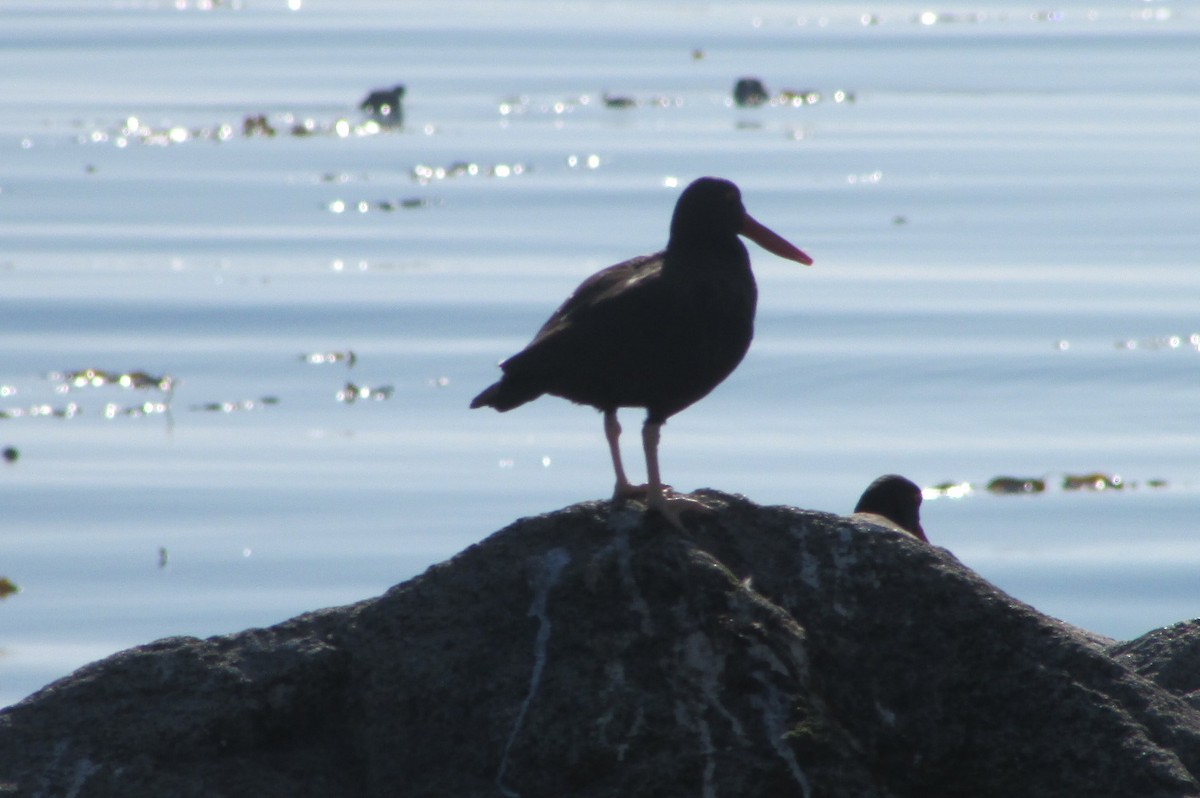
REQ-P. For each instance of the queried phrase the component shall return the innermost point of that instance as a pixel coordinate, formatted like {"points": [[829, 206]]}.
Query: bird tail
{"points": [[505, 395]]}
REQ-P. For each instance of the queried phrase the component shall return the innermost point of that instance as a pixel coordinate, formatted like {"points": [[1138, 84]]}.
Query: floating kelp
{"points": [[591, 161], [426, 174], [751, 93], [132, 131], [797, 98], [208, 5], [1012, 486], [618, 101], [257, 125], [7, 587], [386, 205], [1093, 482], [11, 454], [1163, 342], [408, 203], [97, 378], [948, 18], [69, 410], [113, 410], [929, 18], [524, 104], [320, 358], [235, 407], [623, 102], [352, 393], [948, 490]]}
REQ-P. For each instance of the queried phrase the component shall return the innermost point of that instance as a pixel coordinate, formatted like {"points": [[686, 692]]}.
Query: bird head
{"points": [[710, 211]]}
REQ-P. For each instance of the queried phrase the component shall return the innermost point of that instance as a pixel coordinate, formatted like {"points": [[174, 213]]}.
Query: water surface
{"points": [[1001, 202]]}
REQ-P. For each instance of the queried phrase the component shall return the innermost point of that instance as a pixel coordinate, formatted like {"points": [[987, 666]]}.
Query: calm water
{"points": [[1001, 200]]}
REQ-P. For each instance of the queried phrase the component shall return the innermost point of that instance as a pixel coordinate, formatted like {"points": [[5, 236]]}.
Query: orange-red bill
{"points": [[772, 242]]}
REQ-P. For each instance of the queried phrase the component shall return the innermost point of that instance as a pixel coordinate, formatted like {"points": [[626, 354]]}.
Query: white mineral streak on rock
{"points": [[844, 555], [84, 768], [707, 668], [546, 572], [610, 697], [686, 717], [810, 574], [710, 765], [621, 523], [775, 709]]}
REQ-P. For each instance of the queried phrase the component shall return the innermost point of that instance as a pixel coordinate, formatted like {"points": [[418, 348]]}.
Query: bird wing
{"points": [[605, 287], [603, 295]]}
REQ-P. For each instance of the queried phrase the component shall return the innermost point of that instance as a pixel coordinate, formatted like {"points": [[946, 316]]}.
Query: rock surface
{"points": [[594, 652]]}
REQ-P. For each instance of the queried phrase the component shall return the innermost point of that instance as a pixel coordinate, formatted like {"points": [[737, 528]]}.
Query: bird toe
{"points": [[673, 507]]}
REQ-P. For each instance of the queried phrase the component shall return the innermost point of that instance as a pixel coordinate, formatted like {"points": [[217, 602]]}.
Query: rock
{"points": [[1169, 656], [594, 652]]}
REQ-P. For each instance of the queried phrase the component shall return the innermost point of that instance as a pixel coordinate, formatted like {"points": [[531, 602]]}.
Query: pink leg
{"points": [[651, 434], [656, 492], [612, 433]]}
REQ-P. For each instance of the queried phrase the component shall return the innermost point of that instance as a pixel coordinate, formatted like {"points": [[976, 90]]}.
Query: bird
{"points": [[896, 499], [384, 105], [750, 92], [657, 332]]}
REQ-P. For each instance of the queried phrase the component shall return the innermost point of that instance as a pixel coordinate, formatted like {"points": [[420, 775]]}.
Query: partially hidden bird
{"points": [[896, 499], [657, 332]]}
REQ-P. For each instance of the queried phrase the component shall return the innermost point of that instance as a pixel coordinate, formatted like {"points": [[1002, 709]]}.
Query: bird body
{"points": [[658, 331], [681, 333]]}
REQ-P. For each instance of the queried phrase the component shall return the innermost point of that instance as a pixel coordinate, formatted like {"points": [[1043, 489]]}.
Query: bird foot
{"points": [[623, 493], [672, 507], [627, 491]]}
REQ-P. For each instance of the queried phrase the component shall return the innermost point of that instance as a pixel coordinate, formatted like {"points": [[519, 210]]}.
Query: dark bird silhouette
{"points": [[898, 500], [749, 92], [385, 105], [658, 331]]}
